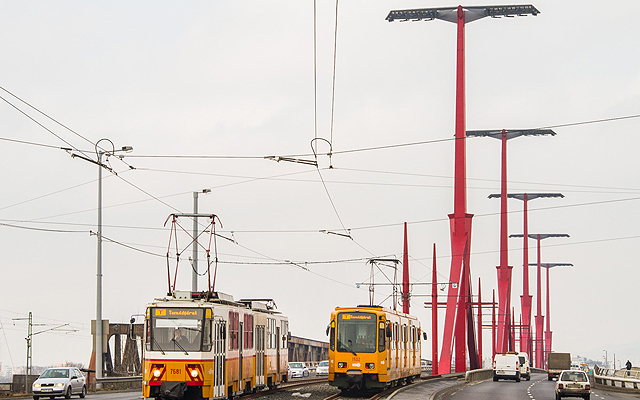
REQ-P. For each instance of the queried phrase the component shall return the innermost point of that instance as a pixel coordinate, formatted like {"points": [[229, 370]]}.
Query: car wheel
{"points": [[305, 374], [67, 394], [587, 397], [517, 376], [84, 392], [558, 396], [36, 397]]}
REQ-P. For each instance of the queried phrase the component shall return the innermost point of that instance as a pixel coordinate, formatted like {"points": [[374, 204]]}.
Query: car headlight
{"points": [[59, 384], [194, 373], [36, 385], [156, 373]]}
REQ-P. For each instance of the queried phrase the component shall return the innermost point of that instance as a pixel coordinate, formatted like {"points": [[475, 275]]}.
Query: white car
{"points": [[298, 370], [63, 381], [506, 366], [323, 368], [525, 366], [573, 383]]}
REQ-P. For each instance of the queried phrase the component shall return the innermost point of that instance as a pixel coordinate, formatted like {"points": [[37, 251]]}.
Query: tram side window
{"points": [[234, 324], [284, 332], [248, 331], [381, 336], [394, 337], [271, 333], [404, 337], [332, 336], [206, 335]]}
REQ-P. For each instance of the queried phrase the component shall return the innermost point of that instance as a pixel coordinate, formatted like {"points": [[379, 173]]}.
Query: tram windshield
{"points": [[356, 332], [179, 329]]}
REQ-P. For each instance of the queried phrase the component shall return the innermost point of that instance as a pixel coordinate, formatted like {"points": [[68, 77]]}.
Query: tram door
{"points": [[219, 351], [240, 348], [278, 353], [259, 340]]}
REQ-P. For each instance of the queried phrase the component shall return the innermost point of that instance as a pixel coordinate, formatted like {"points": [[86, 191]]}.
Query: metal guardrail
{"points": [[620, 378], [118, 379]]}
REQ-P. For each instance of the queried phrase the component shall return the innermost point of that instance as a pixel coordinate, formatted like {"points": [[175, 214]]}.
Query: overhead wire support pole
{"points": [[460, 222], [505, 338], [99, 342]]}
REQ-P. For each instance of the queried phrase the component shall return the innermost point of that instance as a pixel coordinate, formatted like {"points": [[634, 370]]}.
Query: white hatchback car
{"points": [[62, 381], [298, 370], [573, 383], [323, 368]]}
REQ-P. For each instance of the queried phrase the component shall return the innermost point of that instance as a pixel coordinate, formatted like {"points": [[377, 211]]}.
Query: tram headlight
{"points": [[369, 365], [342, 365], [156, 373], [194, 373]]}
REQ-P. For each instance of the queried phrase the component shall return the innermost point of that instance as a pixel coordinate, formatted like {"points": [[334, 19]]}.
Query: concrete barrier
{"points": [[478, 375]]}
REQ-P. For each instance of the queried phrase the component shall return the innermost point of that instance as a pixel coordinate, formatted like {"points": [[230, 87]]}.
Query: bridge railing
{"points": [[618, 378]]}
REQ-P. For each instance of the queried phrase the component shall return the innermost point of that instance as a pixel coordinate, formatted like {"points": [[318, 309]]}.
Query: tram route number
{"points": [[355, 359], [176, 371]]}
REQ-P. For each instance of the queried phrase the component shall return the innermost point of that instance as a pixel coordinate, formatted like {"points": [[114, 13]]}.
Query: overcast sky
{"points": [[236, 79]]}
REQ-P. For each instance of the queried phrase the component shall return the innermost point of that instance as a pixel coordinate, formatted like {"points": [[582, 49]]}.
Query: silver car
{"points": [[323, 368], [62, 381], [298, 370]]}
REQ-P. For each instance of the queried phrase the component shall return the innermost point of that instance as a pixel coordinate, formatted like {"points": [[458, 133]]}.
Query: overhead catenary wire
{"points": [[373, 148]]}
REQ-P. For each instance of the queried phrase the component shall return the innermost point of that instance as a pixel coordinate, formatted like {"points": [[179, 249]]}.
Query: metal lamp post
{"points": [[548, 333], [505, 340], [458, 317], [539, 351], [525, 299]]}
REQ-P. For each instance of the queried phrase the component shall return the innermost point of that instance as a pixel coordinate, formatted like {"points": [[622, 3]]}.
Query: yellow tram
{"points": [[208, 346], [371, 347]]}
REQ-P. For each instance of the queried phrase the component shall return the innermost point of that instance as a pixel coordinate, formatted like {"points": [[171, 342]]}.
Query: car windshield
{"points": [[573, 377], [295, 365], [324, 364], [357, 332], [55, 373]]}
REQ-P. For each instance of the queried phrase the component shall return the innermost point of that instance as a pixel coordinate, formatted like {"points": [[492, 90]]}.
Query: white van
{"points": [[525, 366], [506, 366]]}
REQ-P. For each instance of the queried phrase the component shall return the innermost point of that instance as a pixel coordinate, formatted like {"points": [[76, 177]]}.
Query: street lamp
{"points": [[539, 359], [505, 340], [460, 225], [525, 342], [100, 152], [547, 335], [194, 275]]}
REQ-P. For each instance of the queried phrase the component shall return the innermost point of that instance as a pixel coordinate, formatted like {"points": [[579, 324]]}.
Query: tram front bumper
{"points": [[356, 380]]}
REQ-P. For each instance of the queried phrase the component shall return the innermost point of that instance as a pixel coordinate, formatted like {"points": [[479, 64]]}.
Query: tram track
{"points": [[286, 386], [376, 396]]}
